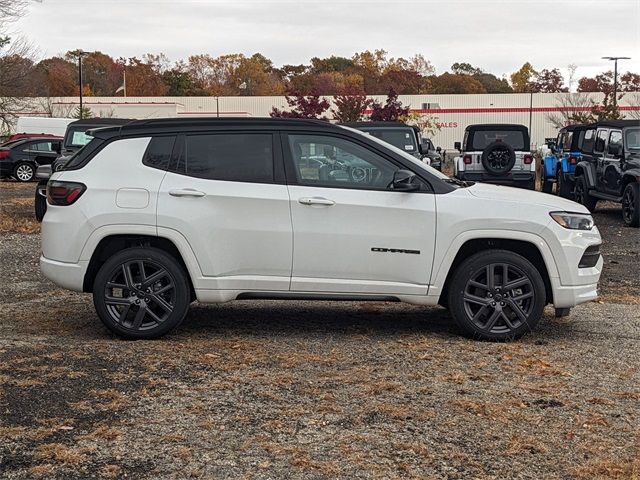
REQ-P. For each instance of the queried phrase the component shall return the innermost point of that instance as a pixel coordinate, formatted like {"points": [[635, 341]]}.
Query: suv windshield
{"points": [[402, 138], [76, 137], [483, 138], [632, 139]]}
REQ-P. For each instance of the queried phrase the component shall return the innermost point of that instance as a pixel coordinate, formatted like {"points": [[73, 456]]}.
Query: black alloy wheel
{"points": [[631, 205], [497, 295], [581, 194], [141, 293]]}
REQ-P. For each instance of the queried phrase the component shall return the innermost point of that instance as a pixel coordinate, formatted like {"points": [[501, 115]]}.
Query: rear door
{"points": [[225, 194], [352, 234], [599, 149]]}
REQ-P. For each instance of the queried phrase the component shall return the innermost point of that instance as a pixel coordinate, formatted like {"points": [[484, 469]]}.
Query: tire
{"points": [[484, 309], [631, 204], [40, 205], [119, 301], [24, 172], [498, 158], [563, 188], [582, 194]]}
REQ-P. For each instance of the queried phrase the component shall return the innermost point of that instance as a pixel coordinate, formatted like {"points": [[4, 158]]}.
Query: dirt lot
{"points": [[313, 389]]}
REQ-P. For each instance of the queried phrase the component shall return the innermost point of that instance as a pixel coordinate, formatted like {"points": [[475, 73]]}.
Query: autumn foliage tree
{"points": [[350, 106], [303, 106], [391, 111]]}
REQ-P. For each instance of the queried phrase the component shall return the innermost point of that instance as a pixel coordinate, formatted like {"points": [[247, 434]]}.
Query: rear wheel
{"points": [[582, 194], [24, 172], [631, 205], [496, 295], [141, 293]]}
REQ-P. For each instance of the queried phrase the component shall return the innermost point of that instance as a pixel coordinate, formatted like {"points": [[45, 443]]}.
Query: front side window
{"points": [[601, 140], [336, 162], [234, 157], [615, 142]]}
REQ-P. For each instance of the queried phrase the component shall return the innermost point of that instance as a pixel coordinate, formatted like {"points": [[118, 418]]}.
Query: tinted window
{"points": [[587, 141], [483, 138], [568, 137], [601, 139], [335, 162], [42, 147], [615, 142], [158, 152], [403, 138], [236, 157], [632, 137]]}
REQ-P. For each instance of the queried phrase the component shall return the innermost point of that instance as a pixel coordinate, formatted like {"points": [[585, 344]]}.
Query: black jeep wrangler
{"points": [[610, 167], [496, 153]]}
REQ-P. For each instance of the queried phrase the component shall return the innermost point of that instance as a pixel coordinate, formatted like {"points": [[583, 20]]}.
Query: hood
{"points": [[501, 193]]}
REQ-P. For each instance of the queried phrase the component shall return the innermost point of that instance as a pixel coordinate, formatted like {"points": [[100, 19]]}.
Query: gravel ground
{"points": [[270, 389]]}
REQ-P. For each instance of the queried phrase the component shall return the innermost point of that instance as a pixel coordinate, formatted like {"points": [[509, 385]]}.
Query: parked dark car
{"points": [[610, 167], [496, 153], [21, 158], [405, 137], [75, 138]]}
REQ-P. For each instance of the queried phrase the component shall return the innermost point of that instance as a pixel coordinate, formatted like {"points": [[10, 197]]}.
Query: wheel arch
{"points": [[114, 243], [525, 248], [630, 176]]}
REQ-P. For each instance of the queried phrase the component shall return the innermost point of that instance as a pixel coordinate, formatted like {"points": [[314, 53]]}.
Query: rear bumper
{"points": [[511, 178], [66, 275]]}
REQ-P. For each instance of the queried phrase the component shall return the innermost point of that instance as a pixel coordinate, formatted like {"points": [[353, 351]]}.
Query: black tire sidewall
{"points": [[635, 189], [588, 201], [473, 264], [175, 270], [30, 165], [40, 204], [498, 146]]}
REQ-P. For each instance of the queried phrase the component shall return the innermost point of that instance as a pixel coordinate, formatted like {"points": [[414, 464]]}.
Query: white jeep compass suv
{"points": [[155, 214]]}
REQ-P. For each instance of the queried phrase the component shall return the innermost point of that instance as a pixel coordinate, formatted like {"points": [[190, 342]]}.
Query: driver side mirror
{"points": [[403, 181]]}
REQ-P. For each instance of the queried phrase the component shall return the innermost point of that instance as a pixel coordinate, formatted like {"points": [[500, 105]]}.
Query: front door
{"points": [[223, 195], [612, 174], [352, 234]]}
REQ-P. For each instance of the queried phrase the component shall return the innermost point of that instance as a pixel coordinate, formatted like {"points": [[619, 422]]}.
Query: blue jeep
{"points": [[559, 165]]}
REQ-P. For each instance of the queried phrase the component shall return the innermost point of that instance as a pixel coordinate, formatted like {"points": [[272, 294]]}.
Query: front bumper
{"points": [[66, 275]]}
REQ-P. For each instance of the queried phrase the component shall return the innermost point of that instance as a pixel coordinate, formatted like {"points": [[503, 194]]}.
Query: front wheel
{"points": [[496, 295], [631, 205], [563, 188], [582, 195], [141, 293], [24, 172]]}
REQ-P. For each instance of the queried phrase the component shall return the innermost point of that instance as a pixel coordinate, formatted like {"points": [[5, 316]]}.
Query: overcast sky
{"points": [[495, 35]]}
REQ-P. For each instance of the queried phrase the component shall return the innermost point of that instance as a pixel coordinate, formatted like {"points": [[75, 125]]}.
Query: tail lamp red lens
{"points": [[64, 193], [573, 160], [4, 153], [528, 159], [467, 159]]}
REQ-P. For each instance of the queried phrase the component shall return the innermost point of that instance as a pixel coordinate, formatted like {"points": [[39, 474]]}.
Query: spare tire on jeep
{"points": [[498, 158]]}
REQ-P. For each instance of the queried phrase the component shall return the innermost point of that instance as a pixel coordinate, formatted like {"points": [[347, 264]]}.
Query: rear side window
{"points": [[600, 141], [234, 157], [158, 152], [587, 142]]}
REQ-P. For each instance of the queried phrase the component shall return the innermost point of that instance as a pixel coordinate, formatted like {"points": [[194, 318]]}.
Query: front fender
{"points": [[585, 168]]}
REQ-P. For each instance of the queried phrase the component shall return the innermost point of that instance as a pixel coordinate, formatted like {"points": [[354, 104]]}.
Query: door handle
{"points": [[186, 192], [316, 201]]}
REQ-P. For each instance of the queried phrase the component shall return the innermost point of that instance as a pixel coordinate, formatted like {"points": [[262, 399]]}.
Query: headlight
{"points": [[573, 221]]}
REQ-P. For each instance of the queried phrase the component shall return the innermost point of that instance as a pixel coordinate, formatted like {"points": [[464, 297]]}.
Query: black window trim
{"points": [[276, 149], [595, 141], [146, 150], [290, 168]]}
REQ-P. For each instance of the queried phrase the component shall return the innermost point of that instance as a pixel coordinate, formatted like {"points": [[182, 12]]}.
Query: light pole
{"points": [[615, 75], [80, 54]]}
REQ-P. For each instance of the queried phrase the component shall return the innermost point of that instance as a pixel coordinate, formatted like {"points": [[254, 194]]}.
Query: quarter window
{"points": [[234, 157], [335, 162], [158, 152]]}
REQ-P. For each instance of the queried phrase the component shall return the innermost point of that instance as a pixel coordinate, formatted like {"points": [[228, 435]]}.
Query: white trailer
{"points": [[43, 125]]}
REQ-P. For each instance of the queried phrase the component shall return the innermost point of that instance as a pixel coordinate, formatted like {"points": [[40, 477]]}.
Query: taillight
{"points": [[467, 159], [4, 153], [573, 160], [64, 193], [528, 159]]}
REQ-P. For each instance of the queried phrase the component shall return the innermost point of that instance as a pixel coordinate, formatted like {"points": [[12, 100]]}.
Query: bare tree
{"points": [[15, 58], [574, 108], [633, 100]]}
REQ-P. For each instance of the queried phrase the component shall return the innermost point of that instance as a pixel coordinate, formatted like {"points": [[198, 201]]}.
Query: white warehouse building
{"points": [[451, 113]]}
